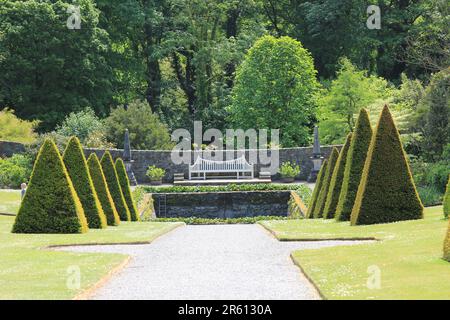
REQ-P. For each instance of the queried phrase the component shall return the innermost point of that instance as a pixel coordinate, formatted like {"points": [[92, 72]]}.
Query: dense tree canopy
{"points": [[181, 58], [146, 130], [276, 88], [48, 70]]}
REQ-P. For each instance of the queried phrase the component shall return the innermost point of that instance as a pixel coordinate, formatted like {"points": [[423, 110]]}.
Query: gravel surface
{"points": [[210, 262]]}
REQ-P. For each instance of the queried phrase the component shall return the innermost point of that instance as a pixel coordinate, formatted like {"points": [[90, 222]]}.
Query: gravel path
{"points": [[210, 262]]}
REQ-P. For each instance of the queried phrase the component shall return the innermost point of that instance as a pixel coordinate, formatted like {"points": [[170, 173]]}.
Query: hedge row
{"points": [[51, 204], [79, 174], [386, 192], [114, 186], [317, 188], [125, 186], [70, 195], [447, 200], [101, 186], [336, 181], [321, 199], [354, 166]]}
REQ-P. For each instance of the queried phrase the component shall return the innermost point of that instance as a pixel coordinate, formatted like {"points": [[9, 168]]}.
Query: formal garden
{"points": [[343, 165]]}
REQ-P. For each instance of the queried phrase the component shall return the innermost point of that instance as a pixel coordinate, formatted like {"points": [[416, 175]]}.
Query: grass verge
{"points": [[408, 259], [29, 270], [9, 201]]}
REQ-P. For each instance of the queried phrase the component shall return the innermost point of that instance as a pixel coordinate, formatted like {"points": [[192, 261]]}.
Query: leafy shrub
{"points": [[102, 190], [438, 175], [125, 186], [59, 140], [82, 124], [289, 170], [114, 187], [321, 199], [387, 192], [354, 166], [431, 179], [447, 200], [51, 204], [146, 129], [429, 195], [336, 181], [79, 174], [210, 221], [317, 188], [155, 173], [15, 170], [15, 129]]}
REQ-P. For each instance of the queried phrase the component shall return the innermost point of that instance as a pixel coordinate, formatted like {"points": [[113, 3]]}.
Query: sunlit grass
{"points": [[28, 270], [9, 201], [408, 256]]}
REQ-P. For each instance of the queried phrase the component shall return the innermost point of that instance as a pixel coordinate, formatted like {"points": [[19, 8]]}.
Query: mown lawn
{"points": [[408, 258], [28, 270], [9, 201]]}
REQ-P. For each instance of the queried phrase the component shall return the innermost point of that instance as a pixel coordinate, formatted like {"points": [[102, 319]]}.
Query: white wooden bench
{"points": [[203, 167]]}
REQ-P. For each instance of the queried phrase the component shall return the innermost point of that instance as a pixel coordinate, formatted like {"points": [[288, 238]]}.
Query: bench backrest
{"points": [[230, 165]]}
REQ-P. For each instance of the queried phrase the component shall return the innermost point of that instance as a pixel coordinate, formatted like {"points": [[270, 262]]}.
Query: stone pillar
{"points": [[316, 158], [126, 157]]}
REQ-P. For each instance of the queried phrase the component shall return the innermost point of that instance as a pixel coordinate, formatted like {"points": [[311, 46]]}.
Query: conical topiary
{"points": [[101, 187], [354, 166], [114, 187], [125, 185], [334, 189], [317, 188], [79, 174], [387, 192], [318, 210], [51, 204], [447, 200], [447, 245]]}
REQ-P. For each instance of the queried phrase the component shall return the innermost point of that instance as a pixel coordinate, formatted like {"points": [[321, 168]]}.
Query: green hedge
{"points": [[114, 187], [336, 181], [447, 200], [125, 186], [101, 187], [354, 166], [51, 204], [15, 170], [317, 188], [387, 192], [321, 199], [210, 221], [447, 245], [79, 174]]}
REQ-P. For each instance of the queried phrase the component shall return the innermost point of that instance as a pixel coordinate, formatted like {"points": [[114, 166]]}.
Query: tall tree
{"points": [[352, 90], [437, 103], [276, 88], [47, 69]]}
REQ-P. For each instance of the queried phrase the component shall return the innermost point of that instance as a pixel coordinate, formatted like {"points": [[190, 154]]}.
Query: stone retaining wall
{"points": [[144, 158], [7, 148], [221, 204]]}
